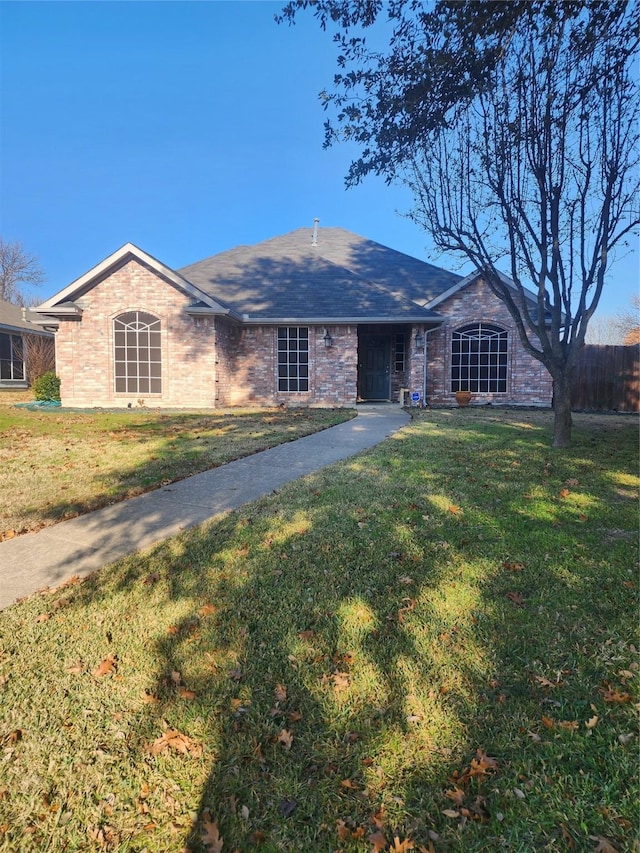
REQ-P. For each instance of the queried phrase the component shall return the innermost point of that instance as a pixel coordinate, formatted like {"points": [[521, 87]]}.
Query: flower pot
{"points": [[463, 398]]}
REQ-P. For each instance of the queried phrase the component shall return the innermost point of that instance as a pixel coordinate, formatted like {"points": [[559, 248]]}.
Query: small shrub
{"points": [[47, 386]]}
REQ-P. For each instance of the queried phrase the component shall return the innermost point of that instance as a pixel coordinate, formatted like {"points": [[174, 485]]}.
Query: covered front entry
{"points": [[374, 366]]}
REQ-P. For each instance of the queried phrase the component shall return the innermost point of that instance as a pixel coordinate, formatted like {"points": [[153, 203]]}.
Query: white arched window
{"points": [[137, 353], [479, 359]]}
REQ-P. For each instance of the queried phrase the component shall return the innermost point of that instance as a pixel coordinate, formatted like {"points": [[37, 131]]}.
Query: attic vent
{"points": [[314, 239]]}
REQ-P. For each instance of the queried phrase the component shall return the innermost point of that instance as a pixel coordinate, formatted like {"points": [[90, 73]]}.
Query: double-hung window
{"points": [[293, 358]]}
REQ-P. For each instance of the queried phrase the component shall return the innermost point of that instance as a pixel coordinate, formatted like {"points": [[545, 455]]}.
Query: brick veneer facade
{"points": [[211, 361], [248, 367], [84, 346], [207, 362], [528, 381]]}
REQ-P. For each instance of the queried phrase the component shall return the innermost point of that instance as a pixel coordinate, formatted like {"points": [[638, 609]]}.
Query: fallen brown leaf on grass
{"points": [[280, 693], [401, 846], [75, 668], [174, 739], [604, 845], [285, 738], [108, 665], [516, 598], [379, 842], [13, 737], [340, 680], [456, 794], [343, 830], [479, 766], [210, 834], [612, 695], [545, 682]]}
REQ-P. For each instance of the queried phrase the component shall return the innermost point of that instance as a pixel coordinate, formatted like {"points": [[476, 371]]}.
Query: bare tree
{"points": [[629, 322], [17, 268], [515, 124], [604, 330], [39, 355], [621, 329]]}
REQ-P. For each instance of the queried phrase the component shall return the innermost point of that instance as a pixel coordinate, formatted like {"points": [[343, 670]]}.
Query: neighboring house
{"points": [[318, 317], [24, 346]]}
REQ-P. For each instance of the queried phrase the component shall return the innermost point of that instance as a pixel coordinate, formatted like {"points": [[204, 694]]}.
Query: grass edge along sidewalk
{"points": [[58, 465], [433, 642]]}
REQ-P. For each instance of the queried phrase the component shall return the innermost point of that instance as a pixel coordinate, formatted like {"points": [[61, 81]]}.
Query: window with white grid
{"points": [[137, 353], [293, 358], [479, 359]]}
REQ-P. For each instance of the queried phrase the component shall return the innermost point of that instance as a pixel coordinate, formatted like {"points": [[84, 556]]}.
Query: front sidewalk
{"points": [[86, 543]]}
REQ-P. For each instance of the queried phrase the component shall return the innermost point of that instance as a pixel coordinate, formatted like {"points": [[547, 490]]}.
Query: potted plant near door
{"points": [[463, 397]]}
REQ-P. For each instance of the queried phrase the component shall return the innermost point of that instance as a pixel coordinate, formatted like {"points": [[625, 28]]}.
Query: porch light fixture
{"points": [[328, 340], [419, 340]]}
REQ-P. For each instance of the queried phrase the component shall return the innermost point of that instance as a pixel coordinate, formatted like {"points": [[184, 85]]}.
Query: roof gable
{"points": [[470, 279], [62, 302]]}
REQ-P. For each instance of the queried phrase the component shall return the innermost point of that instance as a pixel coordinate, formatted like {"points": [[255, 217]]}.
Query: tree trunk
{"points": [[562, 412]]}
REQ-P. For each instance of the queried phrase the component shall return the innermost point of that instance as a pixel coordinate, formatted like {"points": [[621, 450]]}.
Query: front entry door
{"points": [[374, 357]]}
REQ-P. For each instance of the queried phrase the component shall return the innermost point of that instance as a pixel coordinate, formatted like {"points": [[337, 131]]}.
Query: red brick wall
{"points": [[209, 362], [84, 347], [528, 382], [248, 369], [206, 361]]}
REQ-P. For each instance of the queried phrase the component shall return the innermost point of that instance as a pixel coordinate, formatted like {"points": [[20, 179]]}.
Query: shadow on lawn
{"points": [[183, 444], [386, 616]]}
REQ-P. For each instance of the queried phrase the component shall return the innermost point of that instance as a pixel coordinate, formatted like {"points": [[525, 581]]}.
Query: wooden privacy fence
{"points": [[607, 379]]}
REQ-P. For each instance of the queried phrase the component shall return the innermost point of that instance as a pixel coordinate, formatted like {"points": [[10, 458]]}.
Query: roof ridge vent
{"points": [[314, 239]]}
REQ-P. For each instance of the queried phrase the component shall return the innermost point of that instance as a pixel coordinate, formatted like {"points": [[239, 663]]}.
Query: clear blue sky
{"points": [[186, 128]]}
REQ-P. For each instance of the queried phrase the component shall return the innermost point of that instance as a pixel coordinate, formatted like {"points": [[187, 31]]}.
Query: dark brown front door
{"points": [[374, 357]]}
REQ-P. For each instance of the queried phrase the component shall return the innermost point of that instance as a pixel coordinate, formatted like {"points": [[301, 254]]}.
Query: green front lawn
{"points": [[59, 464], [431, 644]]}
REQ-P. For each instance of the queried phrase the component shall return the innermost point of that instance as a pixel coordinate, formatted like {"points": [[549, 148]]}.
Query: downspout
{"points": [[424, 369]]}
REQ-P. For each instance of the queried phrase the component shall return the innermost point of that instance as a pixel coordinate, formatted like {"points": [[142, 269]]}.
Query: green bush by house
{"points": [[47, 386]]}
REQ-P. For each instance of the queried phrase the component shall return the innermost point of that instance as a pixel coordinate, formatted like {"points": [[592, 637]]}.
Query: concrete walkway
{"points": [[83, 544]]}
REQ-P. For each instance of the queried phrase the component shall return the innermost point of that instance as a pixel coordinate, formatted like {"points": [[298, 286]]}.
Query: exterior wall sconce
{"points": [[328, 340], [419, 340]]}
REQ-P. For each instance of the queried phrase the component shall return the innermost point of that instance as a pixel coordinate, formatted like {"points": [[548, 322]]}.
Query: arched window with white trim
{"points": [[137, 353], [479, 359]]}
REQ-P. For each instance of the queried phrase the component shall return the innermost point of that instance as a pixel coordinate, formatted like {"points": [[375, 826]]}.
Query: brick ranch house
{"points": [[25, 348], [316, 317]]}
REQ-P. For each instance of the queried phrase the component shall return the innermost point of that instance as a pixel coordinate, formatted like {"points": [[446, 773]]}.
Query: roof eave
{"points": [[25, 330], [200, 311], [434, 320]]}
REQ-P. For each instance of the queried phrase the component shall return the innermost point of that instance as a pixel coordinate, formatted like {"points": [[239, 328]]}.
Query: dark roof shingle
{"points": [[343, 277]]}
